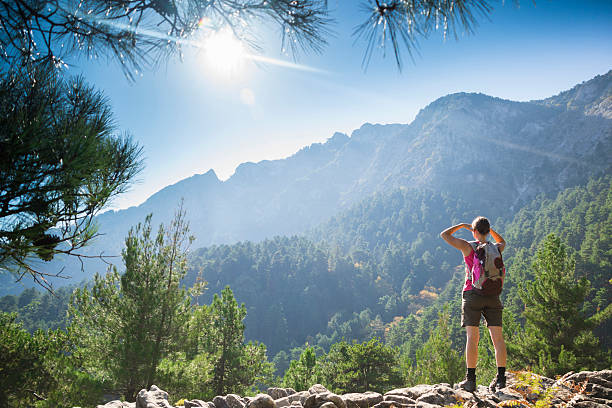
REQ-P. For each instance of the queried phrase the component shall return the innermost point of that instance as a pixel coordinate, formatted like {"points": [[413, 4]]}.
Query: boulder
{"points": [[195, 403], [583, 401], [335, 399], [154, 398], [117, 404], [282, 402], [261, 401], [318, 400], [317, 389], [412, 392], [234, 401], [422, 404], [362, 400], [440, 395], [393, 404], [311, 401], [299, 397], [220, 402], [328, 404], [400, 399], [277, 393]]}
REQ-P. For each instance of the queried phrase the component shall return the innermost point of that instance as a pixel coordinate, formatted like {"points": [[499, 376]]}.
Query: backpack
{"points": [[487, 274]]}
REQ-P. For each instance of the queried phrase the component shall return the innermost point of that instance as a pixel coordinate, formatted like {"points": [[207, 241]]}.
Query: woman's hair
{"points": [[481, 224]]}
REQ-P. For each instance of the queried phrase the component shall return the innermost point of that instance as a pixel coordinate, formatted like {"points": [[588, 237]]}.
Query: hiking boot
{"points": [[497, 384], [468, 385]]}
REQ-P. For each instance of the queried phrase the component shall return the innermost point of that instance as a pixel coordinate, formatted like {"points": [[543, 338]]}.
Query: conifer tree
{"points": [[300, 375], [128, 323], [61, 162], [558, 335], [436, 360], [359, 367]]}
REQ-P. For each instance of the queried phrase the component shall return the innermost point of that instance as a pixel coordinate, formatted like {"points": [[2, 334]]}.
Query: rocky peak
{"points": [[586, 389]]}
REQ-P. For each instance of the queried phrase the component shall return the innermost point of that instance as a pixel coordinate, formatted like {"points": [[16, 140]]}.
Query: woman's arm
{"points": [[498, 238], [458, 243]]}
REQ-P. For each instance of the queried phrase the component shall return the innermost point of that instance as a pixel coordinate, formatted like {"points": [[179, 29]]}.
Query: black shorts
{"points": [[473, 306]]}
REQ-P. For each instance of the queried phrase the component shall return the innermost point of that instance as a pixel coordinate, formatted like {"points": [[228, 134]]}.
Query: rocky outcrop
{"points": [[586, 389]]}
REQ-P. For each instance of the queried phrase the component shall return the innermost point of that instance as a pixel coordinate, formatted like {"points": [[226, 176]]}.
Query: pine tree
{"points": [[300, 374], [359, 367], [61, 162], [558, 335], [128, 323], [436, 360]]}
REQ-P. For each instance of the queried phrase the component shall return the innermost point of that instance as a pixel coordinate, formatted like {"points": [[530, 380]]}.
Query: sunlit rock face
{"points": [[492, 152]]}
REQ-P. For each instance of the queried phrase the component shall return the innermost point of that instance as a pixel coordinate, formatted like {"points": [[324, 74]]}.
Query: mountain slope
{"points": [[496, 154]]}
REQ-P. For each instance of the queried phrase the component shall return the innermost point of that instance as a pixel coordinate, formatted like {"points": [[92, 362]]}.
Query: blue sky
{"points": [[190, 119]]}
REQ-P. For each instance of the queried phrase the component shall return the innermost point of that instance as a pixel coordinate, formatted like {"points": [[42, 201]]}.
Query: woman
{"points": [[475, 305]]}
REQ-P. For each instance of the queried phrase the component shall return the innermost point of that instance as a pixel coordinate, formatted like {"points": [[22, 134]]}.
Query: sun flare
{"points": [[224, 53]]}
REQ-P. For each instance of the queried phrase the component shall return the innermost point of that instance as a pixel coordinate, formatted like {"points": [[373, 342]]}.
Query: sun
{"points": [[224, 54]]}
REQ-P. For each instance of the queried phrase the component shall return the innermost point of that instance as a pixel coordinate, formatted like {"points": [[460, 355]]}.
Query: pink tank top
{"points": [[469, 263]]}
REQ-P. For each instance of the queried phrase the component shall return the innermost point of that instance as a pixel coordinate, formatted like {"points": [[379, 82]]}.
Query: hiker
{"points": [[483, 283]]}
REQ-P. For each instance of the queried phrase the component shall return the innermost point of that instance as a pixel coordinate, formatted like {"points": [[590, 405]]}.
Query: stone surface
{"points": [[220, 402], [587, 389], [393, 404], [261, 401], [399, 399], [282, 402], [440, 395], [195, 403], [277, 393], [362, 400], [317, 389], [299, 397], [117, 404], [234, 401], [412, 392], [154, 398]]}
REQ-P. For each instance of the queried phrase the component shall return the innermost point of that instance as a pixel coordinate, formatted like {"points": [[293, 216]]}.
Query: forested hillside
{"points": [[537, 147], [383, 272]]}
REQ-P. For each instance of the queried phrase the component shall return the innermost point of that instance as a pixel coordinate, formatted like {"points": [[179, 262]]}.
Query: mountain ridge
{"points": [[511, 150]]}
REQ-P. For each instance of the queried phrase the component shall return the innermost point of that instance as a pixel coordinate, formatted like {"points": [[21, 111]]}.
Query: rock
{"points": [[335, 399], [328, 404], [400, 399], [583, 401], [154, 398], [299, 397], [195, 403], [117, 404], [234, 401], [282, 402], [412, 392], [277, 393], [261, 401], [508, 395], [365, 400], [422, 404], [318, 400], [317, 389], [393, 404], [440, 395], [290, 391], [220, 402]]}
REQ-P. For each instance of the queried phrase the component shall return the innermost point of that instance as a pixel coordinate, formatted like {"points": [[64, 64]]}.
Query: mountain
{"points": [[496, 154]]}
